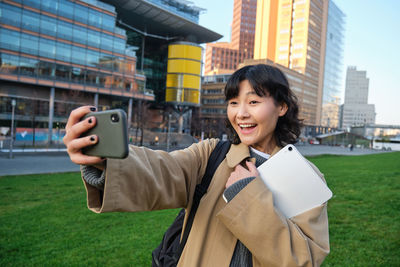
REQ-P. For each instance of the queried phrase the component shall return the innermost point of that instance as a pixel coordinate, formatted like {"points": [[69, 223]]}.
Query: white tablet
{"points": [[295, 185]]}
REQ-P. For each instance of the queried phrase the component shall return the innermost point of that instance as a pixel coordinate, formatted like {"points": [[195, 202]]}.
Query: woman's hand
{"points": [[241, 173], [73, 140]]}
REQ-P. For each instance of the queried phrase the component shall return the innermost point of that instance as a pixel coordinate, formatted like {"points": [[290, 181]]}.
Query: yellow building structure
{"points": [[184, 74]]}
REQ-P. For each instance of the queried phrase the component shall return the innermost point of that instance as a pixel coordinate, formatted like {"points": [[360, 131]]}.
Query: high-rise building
{"points": [[292, 33], [59, 54], [332, 88], [224, 57], [356, 110]]}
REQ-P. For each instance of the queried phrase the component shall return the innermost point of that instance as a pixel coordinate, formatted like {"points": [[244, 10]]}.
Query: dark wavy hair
{"points": [[267, 80]]}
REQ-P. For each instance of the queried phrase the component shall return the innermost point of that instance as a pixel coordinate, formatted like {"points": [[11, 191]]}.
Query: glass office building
{"points": [[66, 53], [332, 88]]}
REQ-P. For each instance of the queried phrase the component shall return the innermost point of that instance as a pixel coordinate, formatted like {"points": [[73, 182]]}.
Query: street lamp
{"points": [[13, 103]]}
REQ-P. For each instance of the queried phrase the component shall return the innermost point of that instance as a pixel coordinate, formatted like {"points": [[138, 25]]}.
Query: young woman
{"points": [[236, 223]]}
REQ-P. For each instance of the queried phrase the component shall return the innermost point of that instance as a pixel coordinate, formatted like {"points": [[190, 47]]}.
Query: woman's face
{"points": [[254, 117]]}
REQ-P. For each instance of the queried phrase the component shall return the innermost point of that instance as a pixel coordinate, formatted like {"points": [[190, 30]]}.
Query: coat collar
{"points": [[237, 153]]}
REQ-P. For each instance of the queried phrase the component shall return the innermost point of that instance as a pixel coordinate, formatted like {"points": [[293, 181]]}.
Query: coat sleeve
{"points": [[151, 179], [272, 239]]}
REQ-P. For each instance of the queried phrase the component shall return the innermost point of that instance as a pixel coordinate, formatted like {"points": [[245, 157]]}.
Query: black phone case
{"points": [[112, 134]]}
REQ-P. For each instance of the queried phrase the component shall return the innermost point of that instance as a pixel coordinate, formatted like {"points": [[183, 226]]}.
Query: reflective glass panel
{"points": [[81, 13], [47, 48], [30, 20], [106, 42], [50, 6], [64, 30], [63, 52], [95, 18], [92, 58], [27, 66], [94, 38], [9, 64], [29, 44], [48, 26], [119, 45], [79, 34], [11, 15], [10, 39], [78, 55], [108, 22], [47, 70], [77, 75], [32, 3], [66, 9], [63, 72]]}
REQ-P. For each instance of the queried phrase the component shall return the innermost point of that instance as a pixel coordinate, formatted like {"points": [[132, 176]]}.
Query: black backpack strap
{"points": [[215, 159]]}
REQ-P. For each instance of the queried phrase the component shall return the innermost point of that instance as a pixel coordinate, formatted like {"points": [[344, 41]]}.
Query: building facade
{"points": [[332, 88], [293, 35], [356, 110], [224, 57], [211, 116], [60, 54]]}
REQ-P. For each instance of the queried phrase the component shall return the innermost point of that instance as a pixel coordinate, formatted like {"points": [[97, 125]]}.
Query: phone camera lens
{"points": [[114, 118], [290, 148]]}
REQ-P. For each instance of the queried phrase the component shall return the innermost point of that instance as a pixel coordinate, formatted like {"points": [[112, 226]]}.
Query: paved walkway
{"points": [[55, 162]]}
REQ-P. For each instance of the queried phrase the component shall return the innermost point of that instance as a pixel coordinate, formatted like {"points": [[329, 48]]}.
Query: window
{"points": [[106, 42], [30, 20], [95, 18], [47, 70], [108, 22], [48, 26], [77, 75], [50, 6], [81, 13], [47, 48], [9, 64], [63, 72], [92, 78], [64, 30], [79, 34], [11, 15], [32, 3], [63, 52], [29, 44], [119, 45], [27, 66], [10, 39], [78, 55], [92, 58], [93, 38], [66, 9]]}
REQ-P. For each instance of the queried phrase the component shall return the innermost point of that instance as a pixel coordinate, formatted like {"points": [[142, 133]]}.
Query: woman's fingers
{"points": [[77, 114], [252, 168], [82, 159], [77, 144], [75, 150]]}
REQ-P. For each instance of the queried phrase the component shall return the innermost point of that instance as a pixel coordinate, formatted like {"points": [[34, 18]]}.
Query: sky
{"points": [[371, 43]]}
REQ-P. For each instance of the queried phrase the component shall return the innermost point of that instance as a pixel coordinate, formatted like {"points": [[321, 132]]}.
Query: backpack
{"points": [[170, 248]]}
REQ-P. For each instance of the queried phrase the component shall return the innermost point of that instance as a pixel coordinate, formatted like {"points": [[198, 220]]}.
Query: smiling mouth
{"points": [[247, 126]]}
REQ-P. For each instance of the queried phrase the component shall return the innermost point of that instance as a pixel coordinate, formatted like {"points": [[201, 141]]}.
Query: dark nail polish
{"points": [[92, 138], [90, 121], [92, 109]]}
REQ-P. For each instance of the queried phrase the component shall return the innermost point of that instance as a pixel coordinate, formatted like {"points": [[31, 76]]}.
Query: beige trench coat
{"points": [[152, 180]]}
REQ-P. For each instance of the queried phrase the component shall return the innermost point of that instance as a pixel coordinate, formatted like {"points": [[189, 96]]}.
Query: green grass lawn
{"points": [[44, 220]]}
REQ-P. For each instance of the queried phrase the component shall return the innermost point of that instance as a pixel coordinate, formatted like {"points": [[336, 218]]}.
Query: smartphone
{"points": [[112, 132]]}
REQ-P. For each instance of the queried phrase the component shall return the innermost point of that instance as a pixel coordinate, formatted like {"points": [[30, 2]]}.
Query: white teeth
{"points": [[246, 125]]}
